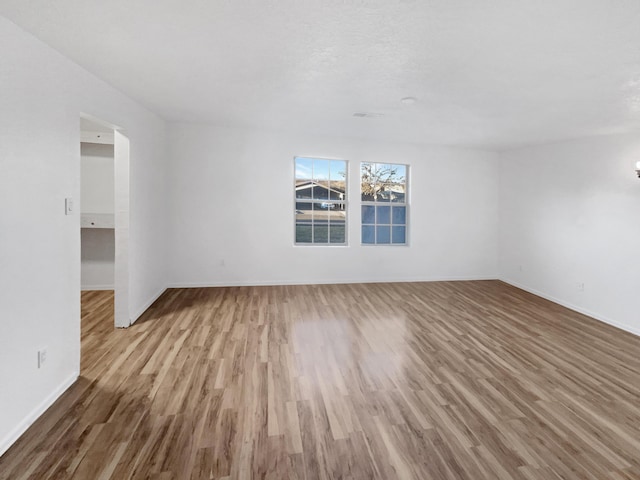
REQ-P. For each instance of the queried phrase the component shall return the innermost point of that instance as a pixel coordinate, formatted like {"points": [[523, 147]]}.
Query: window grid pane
{"points": [[368, 234], [368, 214], [383, 215], [398, 235], [383, 234], [399, 215]]}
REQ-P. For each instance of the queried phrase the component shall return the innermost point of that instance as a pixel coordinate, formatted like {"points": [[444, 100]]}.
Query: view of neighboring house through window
{"points": [[383, 189], [320, 191]]}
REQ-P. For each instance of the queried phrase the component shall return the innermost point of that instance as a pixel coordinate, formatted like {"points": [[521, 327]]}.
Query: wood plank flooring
{"points": [[445, 380]]}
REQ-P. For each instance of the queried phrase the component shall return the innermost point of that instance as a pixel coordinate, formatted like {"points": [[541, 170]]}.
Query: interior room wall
{"points": [[97, 196], [41, 99], [567, 217], [97, 259], [97, 178], [569, 225], [232, 211]]}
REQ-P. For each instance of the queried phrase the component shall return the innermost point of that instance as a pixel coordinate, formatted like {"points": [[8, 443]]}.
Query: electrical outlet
{"points": [[580, 286], [42, 357], [519, 268]]}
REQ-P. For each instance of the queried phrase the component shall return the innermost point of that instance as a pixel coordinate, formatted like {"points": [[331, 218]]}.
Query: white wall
{"points": [[97, 269], [570, 214], [97, 178], [97, 196], [232, 210], [41, 99]]}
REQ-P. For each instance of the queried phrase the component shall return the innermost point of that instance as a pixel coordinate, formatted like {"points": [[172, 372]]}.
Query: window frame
{"points": [[344, 202], [390, 204]]}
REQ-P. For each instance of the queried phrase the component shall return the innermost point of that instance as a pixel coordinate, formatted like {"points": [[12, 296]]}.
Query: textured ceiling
{"points": [[487, 73]]}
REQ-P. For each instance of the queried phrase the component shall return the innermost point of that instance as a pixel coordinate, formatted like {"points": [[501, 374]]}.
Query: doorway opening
{"points": [[104, 221]]}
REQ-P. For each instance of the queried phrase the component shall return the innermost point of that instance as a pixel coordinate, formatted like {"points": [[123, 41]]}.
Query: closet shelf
{"points": [[97, 220]]}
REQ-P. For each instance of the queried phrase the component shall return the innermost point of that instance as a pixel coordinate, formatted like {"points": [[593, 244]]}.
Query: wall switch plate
{"points": [[42, 357], [68, 206]]}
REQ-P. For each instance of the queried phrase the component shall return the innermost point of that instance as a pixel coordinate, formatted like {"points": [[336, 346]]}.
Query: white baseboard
{"points": [[22, 427], [573, 307], [86, 288], [338, 281], [147, 304]]}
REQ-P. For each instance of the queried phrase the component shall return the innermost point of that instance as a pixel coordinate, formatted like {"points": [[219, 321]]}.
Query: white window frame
{"points": [[344, 203], [390, 204]]}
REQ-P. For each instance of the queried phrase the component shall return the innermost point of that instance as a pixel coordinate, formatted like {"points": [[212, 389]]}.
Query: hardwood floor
{"points": [[447, 380]]}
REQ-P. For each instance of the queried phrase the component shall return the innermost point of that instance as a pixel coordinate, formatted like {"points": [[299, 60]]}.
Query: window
{"points": [[320, 196], [383, 189]]}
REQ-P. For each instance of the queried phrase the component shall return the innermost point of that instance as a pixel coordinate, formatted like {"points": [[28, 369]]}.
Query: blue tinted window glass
{"points": [[338, 179], [368, 214], [320, 169], [384, 214], [399, 216], [368, 234], [399, 234], [383, 235], [337, 233], [320, 233], [304, 169], [303, 233]]}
